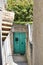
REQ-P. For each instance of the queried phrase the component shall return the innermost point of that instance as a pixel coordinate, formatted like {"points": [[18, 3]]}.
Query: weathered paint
{"points": [[19, 42]]}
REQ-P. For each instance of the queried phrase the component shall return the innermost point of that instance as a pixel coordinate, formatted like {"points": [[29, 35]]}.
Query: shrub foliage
{"points": [[23, 10]]}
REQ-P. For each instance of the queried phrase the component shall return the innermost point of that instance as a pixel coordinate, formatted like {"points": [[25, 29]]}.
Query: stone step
{"points": [[19, 58], [22, 63], [7, 27], [6, 32], [3, 36], [6, 23]]}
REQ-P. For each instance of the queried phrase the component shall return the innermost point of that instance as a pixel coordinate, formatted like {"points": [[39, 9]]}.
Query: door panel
{"points": [[16, 43], [19, 42], [22, 43]]}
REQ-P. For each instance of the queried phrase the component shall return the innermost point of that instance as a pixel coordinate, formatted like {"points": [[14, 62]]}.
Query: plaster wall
{"points": [[38, 32]]}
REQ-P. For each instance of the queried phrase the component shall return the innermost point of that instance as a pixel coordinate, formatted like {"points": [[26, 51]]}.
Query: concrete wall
{"points": [[38, 33]]}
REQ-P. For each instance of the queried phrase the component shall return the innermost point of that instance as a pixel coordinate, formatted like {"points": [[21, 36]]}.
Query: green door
{"points": [[16, 42], [22, 43], [19, 39]]}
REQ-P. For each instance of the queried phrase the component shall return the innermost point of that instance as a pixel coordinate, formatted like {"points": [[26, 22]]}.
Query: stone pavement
{"points": [[20, 59], [22, 63]]}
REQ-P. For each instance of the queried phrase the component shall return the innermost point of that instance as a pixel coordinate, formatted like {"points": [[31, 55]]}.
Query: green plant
{"points": [[23, 10]]}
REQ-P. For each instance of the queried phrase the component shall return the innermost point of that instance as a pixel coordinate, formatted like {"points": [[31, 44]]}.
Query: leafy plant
{"points": [[23, 10]]}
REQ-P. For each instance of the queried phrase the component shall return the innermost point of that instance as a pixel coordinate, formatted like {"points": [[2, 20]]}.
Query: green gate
{"points": [[19, 42]]}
